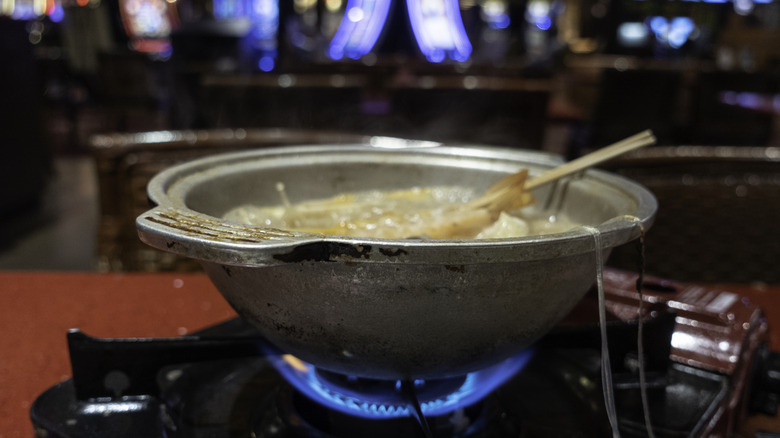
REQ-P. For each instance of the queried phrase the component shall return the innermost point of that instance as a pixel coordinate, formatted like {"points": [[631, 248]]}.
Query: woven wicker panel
{"points": [[718, 217]]}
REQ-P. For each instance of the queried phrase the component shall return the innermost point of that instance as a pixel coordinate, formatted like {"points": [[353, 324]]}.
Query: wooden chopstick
{"points": [[637, 141]]}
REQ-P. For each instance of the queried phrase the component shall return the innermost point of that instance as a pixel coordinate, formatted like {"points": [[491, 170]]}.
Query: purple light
{"points": [[23, 11], [680, 30], [659, 25], [57, 13], [266, 63], [360, 28], [749, 100], [264, 14], [227, 9], [538, 13], [501, 22], [495, 15], [675, 32], [437, 55], [729, 97], [384, 399], [544, 23], [438, 28]]}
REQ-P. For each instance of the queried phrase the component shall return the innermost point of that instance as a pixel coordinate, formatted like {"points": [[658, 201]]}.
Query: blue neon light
{"points": [[538, 13], [263, 17], [24, 11], [475, 387], [724, 1], [224, 9], [438, 29], [544, 23], [501, 22], [675, 33], [495, 15], [680, 29], [58, 13], [264, 14], [749, 100], [360, 28], [266, 63]]}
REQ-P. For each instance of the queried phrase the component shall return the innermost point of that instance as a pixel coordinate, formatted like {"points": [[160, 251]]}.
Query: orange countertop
{"points": [[38, 308]]}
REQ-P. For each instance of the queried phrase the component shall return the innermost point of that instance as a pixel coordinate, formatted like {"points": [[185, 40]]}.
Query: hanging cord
{"points": [[606, 367], [640, 324]]}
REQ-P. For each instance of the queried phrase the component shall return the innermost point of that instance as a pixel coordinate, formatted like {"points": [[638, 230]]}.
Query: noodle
{"points": [[433, 212]]}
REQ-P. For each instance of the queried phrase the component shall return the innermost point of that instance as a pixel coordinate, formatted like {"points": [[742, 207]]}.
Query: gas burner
{"points": [[383, 399], [304, 417], [224, 381]]}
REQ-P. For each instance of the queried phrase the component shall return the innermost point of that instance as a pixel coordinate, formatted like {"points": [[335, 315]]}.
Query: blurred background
{"points": [[97, 95]]}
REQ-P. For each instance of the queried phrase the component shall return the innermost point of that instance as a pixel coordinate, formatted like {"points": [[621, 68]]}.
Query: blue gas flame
{"points": [[391, 403]]}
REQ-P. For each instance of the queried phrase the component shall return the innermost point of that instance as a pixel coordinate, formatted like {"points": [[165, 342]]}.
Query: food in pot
{"points": [[434, 212]]}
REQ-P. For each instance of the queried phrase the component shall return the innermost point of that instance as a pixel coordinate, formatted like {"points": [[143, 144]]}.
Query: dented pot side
{"points": [[405, 321]]}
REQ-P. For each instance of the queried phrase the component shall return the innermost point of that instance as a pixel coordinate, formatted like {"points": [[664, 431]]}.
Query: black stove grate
{"points": [[194, 392]]}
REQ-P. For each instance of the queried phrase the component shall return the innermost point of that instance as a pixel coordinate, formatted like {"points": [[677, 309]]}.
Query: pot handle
{"points": [[168, 227]]}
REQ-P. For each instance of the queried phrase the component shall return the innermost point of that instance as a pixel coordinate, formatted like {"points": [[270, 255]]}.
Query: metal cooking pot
{"points": [[382, 308]]}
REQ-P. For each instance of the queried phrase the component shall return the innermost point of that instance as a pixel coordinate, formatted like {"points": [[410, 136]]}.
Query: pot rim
{"points": [[174, 227]]}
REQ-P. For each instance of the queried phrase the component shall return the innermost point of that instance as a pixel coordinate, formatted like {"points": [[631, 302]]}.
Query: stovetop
{"points": [[222, 382], [556, 394]]}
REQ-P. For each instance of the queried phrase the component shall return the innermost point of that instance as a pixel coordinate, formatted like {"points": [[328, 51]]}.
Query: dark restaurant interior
{"points": [[98, 96], [553, 76]]}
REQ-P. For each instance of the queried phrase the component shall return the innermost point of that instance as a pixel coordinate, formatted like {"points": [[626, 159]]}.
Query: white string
{"points": [[640, 343], [642, 380], [606, 367]]}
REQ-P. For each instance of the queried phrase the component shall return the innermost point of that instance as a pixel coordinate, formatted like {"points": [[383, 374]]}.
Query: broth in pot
{"points": [[399, 214]]}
